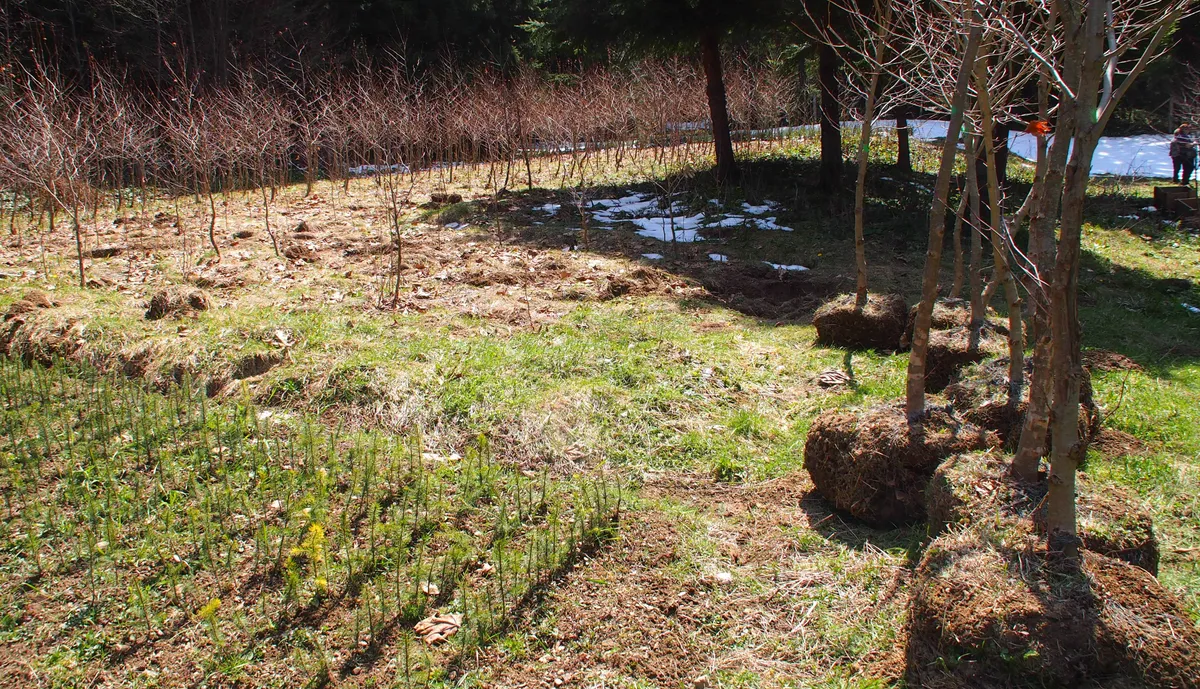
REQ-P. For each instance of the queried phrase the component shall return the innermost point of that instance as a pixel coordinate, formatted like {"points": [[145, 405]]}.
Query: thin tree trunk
{"points": [[831, 116], [903, 149], [1066, 369], [1000, 253], [212, 223], [1042, 220], [710, 48], [915, 394], [1067, 448], [959, 268], [77, 226], [864, 150], [975, 279]]}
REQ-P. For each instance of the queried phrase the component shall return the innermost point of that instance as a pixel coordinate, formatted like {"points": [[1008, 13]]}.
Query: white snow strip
{"points": [[372, 169], [728, 221], [781, 266], [765, 208], [770, 224], [549, 208], [1190, 308], [653, 257], [681, 229], [719, 258]]}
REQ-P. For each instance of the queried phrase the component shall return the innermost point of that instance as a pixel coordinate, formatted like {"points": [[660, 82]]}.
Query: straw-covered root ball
{"points": [[874, 464], [177, 301], [976, 489], [878, 325], [990, 611]]}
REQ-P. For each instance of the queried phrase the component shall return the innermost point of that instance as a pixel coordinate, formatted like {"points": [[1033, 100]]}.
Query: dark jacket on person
{"points": [[1183, 146]]}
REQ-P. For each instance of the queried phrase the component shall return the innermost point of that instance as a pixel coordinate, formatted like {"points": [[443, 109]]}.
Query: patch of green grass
{"points": [[154, 511]]}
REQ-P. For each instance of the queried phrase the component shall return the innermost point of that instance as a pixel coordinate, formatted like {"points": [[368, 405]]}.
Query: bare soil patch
{"points": [[654, 610]]}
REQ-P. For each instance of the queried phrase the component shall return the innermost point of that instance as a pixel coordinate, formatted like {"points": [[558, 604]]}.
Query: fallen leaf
{"points": [[438, 628]]}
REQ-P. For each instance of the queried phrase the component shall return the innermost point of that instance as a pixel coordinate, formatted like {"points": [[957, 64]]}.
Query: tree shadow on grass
{"points": [[1139, 315], [848, 531], [742, 277]]}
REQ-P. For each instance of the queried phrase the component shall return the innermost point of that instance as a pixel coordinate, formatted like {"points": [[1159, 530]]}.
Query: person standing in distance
{"points": [[1183, 154]]}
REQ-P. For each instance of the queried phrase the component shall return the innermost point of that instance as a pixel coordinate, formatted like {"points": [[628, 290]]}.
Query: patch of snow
{"points": [[1128, 217], [653, 257], [1150, 209], [549, 208], [770, 224], [684, 228], [765, 208], [780, 266], [458, 225], [372, 169], [728, 221], [1190, 308], [719, 258]]}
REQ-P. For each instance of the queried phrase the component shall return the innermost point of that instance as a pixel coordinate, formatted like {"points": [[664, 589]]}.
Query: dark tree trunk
{"points": [[710, 49], [828, 63], [1000, 131], [903, 150]]}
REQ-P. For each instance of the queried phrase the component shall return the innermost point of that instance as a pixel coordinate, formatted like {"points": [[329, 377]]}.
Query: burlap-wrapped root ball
{"points": [[874, 465], [989, 610], [977, 489], [878, 325]]}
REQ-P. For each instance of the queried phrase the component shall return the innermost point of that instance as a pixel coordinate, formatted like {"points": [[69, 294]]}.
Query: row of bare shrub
{"points": [[57, 141]]}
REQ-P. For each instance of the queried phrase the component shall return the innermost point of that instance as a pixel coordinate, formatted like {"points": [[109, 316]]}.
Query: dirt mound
{"points": [[951, 350], [637, 282], [947, 313], [301, 252], [1104, 360], [177, 300], [34, 299], [980, 394], [983, 614], [975, 488], [878, 325], [874, 464], [255, 365], [25, 333], [1111, 443]]}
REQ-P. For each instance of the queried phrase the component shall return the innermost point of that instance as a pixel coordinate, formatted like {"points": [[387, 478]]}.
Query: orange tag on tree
{"points": [[1038, 128]]}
